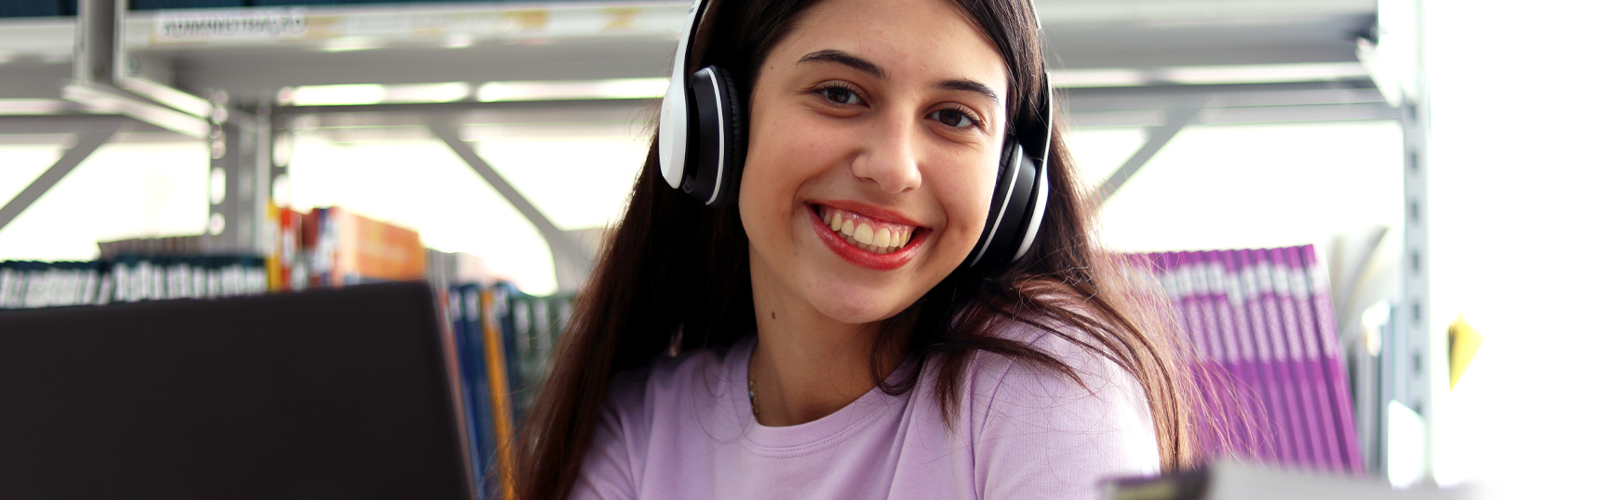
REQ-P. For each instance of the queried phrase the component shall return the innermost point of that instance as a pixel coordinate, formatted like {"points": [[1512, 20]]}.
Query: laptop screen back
{"points": [[326, 394]]}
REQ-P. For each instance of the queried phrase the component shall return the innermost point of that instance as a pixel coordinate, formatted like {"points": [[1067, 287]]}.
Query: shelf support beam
{"points": [[571, 262], [1176, 118], [88, 140]]}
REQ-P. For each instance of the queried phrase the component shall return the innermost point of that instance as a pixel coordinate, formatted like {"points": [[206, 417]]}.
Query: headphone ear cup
{"points": [[718, 161], [734, 147], [1009, 211]]}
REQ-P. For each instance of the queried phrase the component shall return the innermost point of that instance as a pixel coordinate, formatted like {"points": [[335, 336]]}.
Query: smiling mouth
{"points": [[872, 235]]}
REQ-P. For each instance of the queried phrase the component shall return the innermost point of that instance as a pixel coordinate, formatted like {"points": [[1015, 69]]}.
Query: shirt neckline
{"points": [[811, 436]]}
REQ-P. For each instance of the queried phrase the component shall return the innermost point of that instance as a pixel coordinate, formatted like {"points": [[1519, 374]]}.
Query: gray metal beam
{"points": [[571, 262], [1177, 118], [89, 139], [240, 168]]}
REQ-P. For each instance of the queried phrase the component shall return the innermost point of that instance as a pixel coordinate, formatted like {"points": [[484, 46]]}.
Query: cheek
{"points": [[966, 195], [782, 157]]}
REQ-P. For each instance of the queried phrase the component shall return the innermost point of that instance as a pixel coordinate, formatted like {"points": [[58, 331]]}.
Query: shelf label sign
{"points": [[232, 24]]}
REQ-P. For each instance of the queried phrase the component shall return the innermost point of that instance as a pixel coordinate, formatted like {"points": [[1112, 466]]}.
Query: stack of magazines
{"points": [[1266, 353]]}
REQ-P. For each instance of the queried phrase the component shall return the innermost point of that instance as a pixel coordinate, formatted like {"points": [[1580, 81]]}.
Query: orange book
{"points": [[274, 255], [288, 247], [367, 249], [499, 389]]}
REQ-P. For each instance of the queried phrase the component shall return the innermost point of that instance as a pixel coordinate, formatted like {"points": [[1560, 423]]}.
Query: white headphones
{"points": [[702, 150]]}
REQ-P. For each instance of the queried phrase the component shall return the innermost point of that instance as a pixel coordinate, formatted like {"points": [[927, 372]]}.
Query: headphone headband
{"points": [[673, 134]]}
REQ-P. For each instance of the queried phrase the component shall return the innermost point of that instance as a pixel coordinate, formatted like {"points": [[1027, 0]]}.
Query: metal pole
{"points": [[571, 263], [88, 140], [1177, 118]]}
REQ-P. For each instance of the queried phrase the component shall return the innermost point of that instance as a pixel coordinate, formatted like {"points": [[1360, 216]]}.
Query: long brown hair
{"points": [[675, 274]]}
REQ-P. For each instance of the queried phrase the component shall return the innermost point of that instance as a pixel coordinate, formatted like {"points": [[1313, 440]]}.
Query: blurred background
{"points": [[1429, 151]]}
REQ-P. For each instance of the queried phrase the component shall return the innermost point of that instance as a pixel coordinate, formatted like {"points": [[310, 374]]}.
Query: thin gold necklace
{"points": [[750, 377], [753, 408]]}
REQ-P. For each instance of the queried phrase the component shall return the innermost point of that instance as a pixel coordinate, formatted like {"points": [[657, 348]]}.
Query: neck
{"points": [[806, 365]]}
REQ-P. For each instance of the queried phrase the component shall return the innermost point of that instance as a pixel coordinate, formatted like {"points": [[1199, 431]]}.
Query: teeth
{"points": [[863, 234]]}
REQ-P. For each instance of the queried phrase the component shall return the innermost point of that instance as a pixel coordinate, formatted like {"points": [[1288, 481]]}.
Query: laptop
{"points": [[325, 394]]}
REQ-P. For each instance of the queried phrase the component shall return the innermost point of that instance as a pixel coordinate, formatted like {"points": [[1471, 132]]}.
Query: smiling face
{"points": [[876, 128]]}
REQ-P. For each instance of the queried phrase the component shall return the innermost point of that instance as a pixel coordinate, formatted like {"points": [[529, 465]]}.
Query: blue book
{"points": [[461, 331]]}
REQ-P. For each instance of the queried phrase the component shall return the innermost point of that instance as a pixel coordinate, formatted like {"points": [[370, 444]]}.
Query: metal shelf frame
{"points": [[110, 74]]}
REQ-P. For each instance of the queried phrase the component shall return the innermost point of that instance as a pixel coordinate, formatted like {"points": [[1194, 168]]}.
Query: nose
{"points": [[890, 158]]}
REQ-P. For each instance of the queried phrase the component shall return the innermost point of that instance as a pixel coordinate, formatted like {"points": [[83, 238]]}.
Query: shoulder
{"points": [[1038, 432], [663, 394], [1094, 375], [666, 381]]}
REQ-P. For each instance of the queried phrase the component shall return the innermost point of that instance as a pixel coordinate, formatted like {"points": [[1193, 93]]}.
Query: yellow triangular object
{"points": [[1464, 342]]}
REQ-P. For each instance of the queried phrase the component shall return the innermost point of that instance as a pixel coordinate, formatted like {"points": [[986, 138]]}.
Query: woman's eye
{"points": [[841, 96], [952, 118]]}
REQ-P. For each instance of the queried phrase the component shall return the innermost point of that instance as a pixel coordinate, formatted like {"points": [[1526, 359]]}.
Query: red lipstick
{"points": [[850, 253]]}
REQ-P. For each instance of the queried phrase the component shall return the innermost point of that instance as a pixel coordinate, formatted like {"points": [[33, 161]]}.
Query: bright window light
{"points": [[337, 95], [620, 88], [1201, 75], [427, 92]]}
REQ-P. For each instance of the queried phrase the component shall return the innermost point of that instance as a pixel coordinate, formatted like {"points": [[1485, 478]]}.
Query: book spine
{"points": [[483, 410], [1293, 425], [1210, 435], [544, 336], [9, 279], [460, 299], [522, 328], [1262, 437], [449, 321], [515, 348], [1333, 362], [494, 355], [1300, 292], [1240, 383], [1220, 372], [1299, 360]]}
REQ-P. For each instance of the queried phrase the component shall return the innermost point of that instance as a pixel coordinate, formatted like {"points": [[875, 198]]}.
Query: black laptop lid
{"points": [[331, 394]]}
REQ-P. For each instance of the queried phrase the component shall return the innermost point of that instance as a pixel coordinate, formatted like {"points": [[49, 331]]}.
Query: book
{"points": [[498, 382], [1316, 355], [1263, 349], [461, 298], [128, 278], [287, 251], [1289, 382], [1245, 399], [364, 249], [1327, 337]]}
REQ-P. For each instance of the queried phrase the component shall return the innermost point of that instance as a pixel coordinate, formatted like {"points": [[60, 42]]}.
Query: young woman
{"points": [[823, 337]]}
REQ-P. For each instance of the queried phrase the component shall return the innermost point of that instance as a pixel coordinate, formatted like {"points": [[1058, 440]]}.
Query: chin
{"points": [[858, 304]]}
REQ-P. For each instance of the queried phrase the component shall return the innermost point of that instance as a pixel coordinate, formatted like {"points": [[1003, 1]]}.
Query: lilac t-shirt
{"points": [[681, 428]]}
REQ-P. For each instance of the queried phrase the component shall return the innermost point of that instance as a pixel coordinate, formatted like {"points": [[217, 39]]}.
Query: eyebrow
{"points": [[963, 85], [865, 66], [835, 56]]}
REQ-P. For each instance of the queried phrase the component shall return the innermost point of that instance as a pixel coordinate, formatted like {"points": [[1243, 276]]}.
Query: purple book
{"points": [[1285, 448], [1282, 367], [1333, 362], [1299, 362], [1246, 395], [1253, 359], [1193, 325], [1316, 373], [1220, 372]]}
